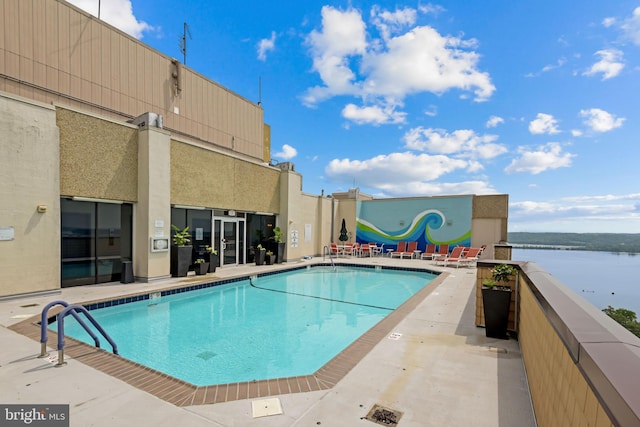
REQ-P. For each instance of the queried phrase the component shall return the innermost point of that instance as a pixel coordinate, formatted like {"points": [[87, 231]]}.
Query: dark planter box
{"points": [[496, 304], [270, 259], [260, 257], [201, 269], [280, 252], [213, 262], [180, 260]]}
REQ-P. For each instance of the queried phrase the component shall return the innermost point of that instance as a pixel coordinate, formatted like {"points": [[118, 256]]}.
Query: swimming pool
{"points": [[271, 326]]}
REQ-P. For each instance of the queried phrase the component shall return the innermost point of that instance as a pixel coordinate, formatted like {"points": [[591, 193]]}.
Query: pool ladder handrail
{"points": [[73, 310], [328, 251]]}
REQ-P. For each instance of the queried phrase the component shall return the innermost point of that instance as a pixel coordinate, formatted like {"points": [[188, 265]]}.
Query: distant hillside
{"points": [[609, 242]]}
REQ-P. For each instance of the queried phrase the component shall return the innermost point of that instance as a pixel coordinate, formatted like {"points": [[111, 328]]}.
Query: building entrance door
{"points": [[230, 238]]}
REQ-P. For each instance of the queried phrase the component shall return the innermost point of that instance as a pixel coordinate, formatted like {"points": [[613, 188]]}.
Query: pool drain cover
{"points": [[384, 416]]}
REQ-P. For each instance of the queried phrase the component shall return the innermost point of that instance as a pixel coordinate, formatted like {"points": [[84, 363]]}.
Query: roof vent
{"points": [[286, 166], [148, 119]]}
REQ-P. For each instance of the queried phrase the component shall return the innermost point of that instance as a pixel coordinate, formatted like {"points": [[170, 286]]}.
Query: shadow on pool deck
{"points": [[441, 370]]}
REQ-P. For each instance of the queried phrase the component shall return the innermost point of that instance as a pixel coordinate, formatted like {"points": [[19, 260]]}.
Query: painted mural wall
{"points": [[445, 220]]}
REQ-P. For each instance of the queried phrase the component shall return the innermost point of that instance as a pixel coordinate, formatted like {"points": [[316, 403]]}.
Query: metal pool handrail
{"points": [[72, 309], [328, 250], [44, 323]]}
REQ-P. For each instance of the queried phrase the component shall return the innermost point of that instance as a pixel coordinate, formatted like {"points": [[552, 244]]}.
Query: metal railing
{"points": [[73, 310], [327, 249]]}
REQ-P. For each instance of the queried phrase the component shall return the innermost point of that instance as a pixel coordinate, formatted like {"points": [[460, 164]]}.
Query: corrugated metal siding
{"points": [[66, 56]]}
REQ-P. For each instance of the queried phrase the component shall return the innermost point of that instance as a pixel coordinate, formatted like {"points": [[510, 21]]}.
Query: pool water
{"points": [[279, 325]]}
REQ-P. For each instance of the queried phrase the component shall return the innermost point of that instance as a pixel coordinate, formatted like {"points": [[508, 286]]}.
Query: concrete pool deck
{"points": [[437, 369]]}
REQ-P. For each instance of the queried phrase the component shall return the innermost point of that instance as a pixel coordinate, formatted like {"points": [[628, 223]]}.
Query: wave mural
{"points": [[419, 231]]}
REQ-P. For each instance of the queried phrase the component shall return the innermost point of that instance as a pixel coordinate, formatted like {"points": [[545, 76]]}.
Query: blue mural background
{"points": [[445, 220]]}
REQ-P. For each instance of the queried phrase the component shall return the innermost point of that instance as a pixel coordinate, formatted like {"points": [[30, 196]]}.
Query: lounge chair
{"points": [[467, 258], [365, 249], [402, 247], [409, 251], [455, 254], [412, 247], [350, 249], [335, 250], [443, 252], [375, 249], [430, 251]]}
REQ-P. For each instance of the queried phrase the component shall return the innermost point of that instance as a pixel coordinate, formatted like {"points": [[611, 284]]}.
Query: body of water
{"points": [[601, 278]]}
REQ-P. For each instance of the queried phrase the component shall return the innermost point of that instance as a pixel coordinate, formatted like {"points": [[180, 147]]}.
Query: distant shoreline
{"points": [[601, 242]]}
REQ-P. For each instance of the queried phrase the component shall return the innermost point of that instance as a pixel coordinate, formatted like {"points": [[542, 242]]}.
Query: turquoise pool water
{"points": [[272, 326]]}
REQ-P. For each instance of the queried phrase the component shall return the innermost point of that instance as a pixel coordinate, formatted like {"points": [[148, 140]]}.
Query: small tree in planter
{"points": [[180, 252], [278, 236], [496, 301], [260, 254], [213, 258]]}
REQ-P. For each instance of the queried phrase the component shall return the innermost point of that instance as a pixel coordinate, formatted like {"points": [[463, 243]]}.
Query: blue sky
{"points": [[538, 100]]}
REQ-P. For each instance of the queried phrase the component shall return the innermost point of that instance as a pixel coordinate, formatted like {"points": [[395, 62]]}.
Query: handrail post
{"points": [[43, 326]]}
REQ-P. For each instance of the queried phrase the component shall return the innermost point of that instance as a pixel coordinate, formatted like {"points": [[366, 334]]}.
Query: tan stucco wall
{"points": [[153, 211], [489, 222], [560, 394], [29, 177], [98, 158], [201, 177], [307, 215], [345, 208]]}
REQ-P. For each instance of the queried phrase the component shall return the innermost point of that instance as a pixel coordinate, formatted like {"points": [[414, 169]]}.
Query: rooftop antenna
{"points": [[183, 42], [98, 9], [260, 90]]}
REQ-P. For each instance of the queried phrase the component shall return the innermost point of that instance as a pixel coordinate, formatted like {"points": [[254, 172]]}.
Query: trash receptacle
{"points": [[127, 272]]}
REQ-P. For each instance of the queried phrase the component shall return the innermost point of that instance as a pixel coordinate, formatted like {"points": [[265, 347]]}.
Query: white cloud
{"points": [[610, 64], [287, 152], [631, 26], [592, 213], [431, 9], [350, 61], [548, 67], [375, 115], [392, 22], [548, 156], [399, 167], [118, 13], [266, 45], [600, 121], [405, 174], [342, 36], [544, 123], [465, 143], [494, 121]]}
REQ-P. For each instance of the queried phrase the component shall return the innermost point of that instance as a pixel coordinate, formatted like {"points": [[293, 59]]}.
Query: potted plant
{"points": [[201, 267], [213, 258], [260, 254], [180, 251], [278, 236], [496, 300], [270, 258]]}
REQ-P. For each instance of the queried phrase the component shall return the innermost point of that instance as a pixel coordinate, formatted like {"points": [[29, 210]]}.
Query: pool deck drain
{"points": [[383, 416]]}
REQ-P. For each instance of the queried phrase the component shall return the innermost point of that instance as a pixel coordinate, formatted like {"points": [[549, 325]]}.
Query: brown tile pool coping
{"points": [[182, 393]]}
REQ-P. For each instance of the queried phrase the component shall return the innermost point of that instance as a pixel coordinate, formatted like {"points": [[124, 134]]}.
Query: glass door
{"points": [[229, 242], [229, 239], [95, 239]]}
